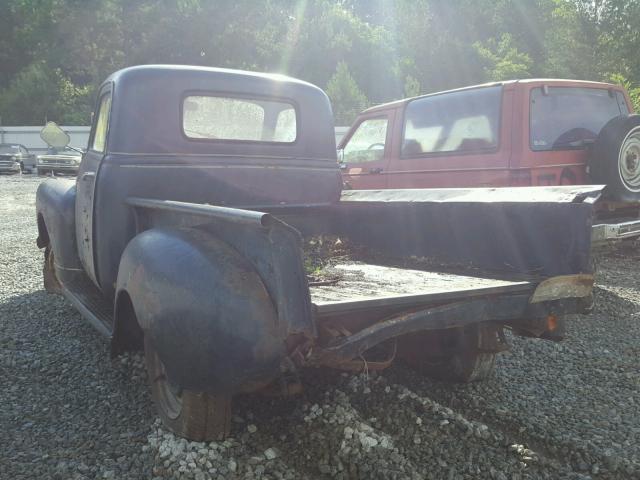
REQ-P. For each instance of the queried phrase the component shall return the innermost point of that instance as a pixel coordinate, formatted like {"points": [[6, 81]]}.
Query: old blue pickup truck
{"points": [[183, 235]]}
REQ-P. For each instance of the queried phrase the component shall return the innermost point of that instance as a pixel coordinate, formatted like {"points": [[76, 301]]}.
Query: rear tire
{"points": [[454, 355], [197, 416], [51, 282], [615, 158]]}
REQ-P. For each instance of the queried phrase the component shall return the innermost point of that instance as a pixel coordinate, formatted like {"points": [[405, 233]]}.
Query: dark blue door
{"points": [[86, 181]]}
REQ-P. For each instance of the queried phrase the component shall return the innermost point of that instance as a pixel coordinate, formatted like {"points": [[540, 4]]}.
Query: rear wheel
{"points": [[197, 416], [51, 282], [464, 354], [615, 158]]}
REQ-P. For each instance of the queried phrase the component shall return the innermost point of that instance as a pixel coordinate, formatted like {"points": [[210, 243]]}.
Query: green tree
{"points": [[391, 48], [412, 86], [346, 97], [633, 90], [38, 94], [502, 61]]}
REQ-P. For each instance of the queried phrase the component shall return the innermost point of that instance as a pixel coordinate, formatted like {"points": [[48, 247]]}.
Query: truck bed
{"points": [[361, 286]]}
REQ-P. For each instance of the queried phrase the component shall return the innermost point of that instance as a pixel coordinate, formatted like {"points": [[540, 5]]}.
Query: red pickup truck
{"points": [[514, 133]]}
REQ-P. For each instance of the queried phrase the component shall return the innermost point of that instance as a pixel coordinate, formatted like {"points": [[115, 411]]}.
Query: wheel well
{"points": [[43, 233], [127, 334]]}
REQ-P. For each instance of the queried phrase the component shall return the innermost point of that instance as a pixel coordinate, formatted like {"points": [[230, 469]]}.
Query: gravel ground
{"points": [[556, 411]]}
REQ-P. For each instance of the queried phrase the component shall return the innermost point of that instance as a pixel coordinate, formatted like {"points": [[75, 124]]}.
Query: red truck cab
{"points": [[516, 133]]}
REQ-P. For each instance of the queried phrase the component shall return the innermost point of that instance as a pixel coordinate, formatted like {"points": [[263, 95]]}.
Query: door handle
{"points": [[375, 170], [88, 175]]}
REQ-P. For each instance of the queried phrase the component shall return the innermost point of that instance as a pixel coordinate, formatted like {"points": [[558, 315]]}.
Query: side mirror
{"points": [[340, 153], [54, 136]]}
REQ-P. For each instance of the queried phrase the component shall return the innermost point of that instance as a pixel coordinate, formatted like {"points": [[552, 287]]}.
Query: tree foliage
{"points": [[346, 97], [501, 59], [55, 53], [633, 90]]}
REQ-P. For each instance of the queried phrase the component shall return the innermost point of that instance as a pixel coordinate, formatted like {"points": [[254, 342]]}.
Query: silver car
{"points": [[14, 157], [64, 161]]}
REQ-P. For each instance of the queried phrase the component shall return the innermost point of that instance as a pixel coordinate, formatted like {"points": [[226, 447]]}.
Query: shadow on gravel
{"points": [[610, 302], [67, 411]]}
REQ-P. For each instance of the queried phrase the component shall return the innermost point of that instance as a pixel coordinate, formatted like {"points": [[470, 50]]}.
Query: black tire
{"points": [[615, 158], [51, 282], [197, 416], [454, 355]]}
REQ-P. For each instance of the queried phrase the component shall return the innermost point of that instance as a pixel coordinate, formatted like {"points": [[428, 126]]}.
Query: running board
{"points": [[90, 303]]}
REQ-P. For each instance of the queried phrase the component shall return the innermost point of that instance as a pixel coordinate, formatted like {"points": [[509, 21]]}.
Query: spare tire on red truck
{"points": [[615, 158]]}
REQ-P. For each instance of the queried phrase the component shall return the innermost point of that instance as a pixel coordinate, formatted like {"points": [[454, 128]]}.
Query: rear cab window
{"points": [[466, 121], [367, 142], [213, 117], [564, 118]]}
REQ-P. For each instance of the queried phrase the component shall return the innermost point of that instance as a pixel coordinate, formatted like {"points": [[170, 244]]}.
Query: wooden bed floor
{"points": [[357, 286]]}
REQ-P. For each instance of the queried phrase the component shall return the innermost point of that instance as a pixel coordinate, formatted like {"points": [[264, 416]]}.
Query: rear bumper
{"points": [[71, 169], [526, 314], [615, 231]]}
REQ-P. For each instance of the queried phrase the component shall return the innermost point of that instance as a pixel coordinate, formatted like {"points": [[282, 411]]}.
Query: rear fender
{"points": [[207, 311]]}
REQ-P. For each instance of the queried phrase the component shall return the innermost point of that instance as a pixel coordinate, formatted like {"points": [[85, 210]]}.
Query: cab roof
{"points": [[147, 104], [529, 82], [135, 72]]}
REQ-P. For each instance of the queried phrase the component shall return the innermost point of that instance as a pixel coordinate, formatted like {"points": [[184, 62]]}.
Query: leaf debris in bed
{"points": [[323, 252]]}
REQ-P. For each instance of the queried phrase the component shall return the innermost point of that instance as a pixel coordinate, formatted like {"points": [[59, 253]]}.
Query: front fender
{"points": [[55, 207], [207, 311]]}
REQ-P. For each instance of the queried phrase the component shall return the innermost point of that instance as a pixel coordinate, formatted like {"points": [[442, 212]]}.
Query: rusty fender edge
{"points": [[496, 309], [563, 286]]}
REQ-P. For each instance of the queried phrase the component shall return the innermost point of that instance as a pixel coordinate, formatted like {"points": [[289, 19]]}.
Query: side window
{"points": [[367, 142], [464, 121], [99, 137]]}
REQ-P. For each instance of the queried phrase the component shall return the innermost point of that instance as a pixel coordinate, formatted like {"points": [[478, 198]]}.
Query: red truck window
{"points": [[568, 117], [211, 117], [367, 142], [464, 121]]}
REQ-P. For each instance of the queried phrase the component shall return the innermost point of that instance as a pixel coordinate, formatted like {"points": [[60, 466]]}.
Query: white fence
{"points": [[30, 136], [341, 132]]}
